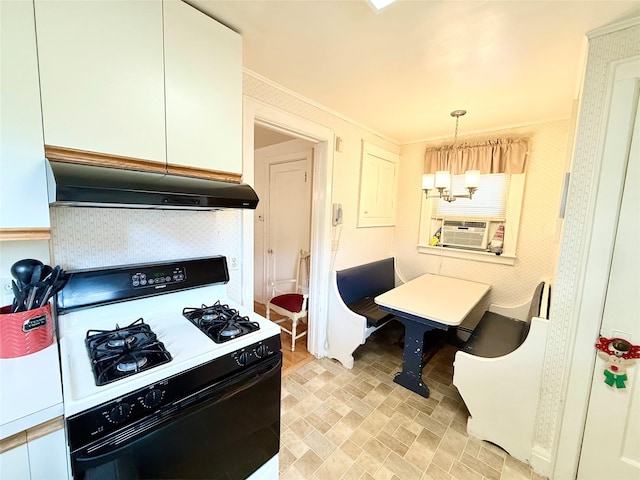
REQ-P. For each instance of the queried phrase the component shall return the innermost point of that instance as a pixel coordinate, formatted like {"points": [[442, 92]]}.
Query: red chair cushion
{"points": [[289, 301]]}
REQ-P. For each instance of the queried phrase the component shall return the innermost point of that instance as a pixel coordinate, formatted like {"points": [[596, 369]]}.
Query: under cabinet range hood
{"points": [[80, 185]]}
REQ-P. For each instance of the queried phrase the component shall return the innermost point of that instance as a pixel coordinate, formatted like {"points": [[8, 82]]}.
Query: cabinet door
{"points": [[48, 457], [23, 187], [203, 70], [101, 72], [378, 187], [14, 463]]}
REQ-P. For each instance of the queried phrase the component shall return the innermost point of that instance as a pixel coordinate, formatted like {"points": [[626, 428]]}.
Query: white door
{"points": [[289, 216], [611, 443]]}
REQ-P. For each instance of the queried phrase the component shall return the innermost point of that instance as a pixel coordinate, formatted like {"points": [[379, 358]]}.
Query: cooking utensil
{"points": [[56, 282], [22, 271], [18, 295], [33, 286], [46, 271]]}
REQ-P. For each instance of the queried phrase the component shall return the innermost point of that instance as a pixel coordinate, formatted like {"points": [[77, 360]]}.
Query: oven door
{"points": [[227, 430]]}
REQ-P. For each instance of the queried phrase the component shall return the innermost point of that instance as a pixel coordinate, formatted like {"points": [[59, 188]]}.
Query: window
{"points": [[489, 201], [497, 200]]}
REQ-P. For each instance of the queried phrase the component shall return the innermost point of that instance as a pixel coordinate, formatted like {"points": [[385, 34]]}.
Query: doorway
{"points": [[283, 178], [322, 140]]}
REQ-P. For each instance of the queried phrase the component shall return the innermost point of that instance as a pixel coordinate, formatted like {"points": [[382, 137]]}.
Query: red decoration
{"points": [[618, 354]]}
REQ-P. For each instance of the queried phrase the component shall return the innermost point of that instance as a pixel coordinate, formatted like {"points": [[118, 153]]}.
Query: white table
{"points": [[426, 303]]}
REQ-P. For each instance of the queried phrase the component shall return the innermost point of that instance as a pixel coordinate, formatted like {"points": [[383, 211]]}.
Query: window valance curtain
{"points": [[493, 156]]}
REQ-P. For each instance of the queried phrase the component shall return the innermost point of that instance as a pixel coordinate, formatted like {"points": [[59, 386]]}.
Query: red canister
{"points": [[23, 333]]}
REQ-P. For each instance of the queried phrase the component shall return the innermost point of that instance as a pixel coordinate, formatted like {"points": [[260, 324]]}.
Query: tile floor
{"points": [[358, 424]]}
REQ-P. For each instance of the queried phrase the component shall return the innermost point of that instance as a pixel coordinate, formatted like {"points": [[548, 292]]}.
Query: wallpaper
{"points": [[100, 237]]}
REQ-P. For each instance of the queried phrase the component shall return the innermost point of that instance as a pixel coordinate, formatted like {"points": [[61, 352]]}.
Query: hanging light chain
{"points": [[455, 135], [429, 181], [457, 114]]}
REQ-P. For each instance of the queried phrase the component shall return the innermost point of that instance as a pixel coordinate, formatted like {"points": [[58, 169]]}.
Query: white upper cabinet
{"points": [[23, 187], [101, 73], [203, 72], [144, 79]]}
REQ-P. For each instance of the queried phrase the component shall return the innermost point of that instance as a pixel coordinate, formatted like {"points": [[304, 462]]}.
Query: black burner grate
{"points": [[220, 322], [122, 352]]}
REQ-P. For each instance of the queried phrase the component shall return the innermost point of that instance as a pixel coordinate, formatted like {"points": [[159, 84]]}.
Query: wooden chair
{"points": [[293, 305]]}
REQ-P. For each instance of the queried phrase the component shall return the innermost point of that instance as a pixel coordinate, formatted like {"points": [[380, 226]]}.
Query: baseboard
{"points": [[540, 461]]}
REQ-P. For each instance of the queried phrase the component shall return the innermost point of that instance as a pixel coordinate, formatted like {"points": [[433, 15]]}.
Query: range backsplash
{"points": [[99, 237]]}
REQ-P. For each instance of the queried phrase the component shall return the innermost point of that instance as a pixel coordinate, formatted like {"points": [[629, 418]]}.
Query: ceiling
{"points": [[401, 71], [264, 137]]}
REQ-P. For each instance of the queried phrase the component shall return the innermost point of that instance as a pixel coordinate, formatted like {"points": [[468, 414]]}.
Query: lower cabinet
{"points": [[48, 457], [39, 453], [14, 463]]}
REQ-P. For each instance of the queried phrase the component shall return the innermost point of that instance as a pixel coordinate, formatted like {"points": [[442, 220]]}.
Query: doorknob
{"points": [[270, 251]]}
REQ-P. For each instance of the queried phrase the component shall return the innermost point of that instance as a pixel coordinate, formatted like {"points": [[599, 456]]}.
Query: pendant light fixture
{"points": [[442, 180]]}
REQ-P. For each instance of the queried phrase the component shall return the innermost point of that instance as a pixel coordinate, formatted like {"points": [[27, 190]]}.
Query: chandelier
{"points": [[442, 180]]}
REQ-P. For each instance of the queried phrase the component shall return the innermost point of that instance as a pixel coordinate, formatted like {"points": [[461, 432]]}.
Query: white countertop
{"points": [[442, 299]]}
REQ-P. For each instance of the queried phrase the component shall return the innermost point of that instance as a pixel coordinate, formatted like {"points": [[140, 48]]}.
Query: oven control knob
{"points": [[119, 413], [152, 398], [262, 351], [242, 359]]}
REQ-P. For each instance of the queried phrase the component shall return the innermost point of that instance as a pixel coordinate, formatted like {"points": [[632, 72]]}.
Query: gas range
{"points": [[199, 349], [187, 345]]}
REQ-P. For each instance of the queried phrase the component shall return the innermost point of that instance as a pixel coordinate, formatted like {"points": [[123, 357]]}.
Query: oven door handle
{"points": [[110, 447], [225, 384]]}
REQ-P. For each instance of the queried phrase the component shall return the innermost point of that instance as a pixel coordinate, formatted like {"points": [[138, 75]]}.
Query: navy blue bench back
{"points": [[366, 280]]}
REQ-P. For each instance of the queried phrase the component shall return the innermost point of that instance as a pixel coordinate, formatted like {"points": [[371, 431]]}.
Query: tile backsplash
{"points": [[99, 237]]}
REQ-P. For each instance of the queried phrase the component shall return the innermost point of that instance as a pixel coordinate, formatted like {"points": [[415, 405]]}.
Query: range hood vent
{"points": [[72, 184]]}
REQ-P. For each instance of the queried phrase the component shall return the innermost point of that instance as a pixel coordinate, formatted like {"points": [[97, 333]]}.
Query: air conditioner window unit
{"points": [[465, 234]]}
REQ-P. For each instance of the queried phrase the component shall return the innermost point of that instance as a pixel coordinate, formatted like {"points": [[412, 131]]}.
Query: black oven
{"points": [[158, 385], [220, 419]]}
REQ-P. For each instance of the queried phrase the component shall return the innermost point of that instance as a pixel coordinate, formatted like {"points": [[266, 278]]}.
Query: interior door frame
{"points": [[596, 258], [260, 113]]}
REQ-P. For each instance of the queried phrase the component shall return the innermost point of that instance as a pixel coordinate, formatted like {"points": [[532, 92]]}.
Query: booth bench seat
{"points": [[498, 373], [353, 315]]}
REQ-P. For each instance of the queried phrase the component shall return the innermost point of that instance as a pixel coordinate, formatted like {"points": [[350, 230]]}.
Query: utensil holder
{"points": [[24, 333]]}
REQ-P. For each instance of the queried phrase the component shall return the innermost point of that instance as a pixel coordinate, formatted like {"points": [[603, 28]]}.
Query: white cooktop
{"points": [[187, 345]]}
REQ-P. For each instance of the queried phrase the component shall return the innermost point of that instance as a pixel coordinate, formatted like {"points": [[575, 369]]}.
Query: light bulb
{"points": [[428, 181], [472, 178], [443, 178]]}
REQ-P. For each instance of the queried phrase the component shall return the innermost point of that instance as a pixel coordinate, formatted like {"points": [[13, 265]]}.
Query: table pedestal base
{"points": [[412, 355], [412, 382]]}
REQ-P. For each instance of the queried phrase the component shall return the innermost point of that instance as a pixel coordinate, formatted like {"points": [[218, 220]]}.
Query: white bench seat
{"points": [[498, 374], [353, 315]]}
